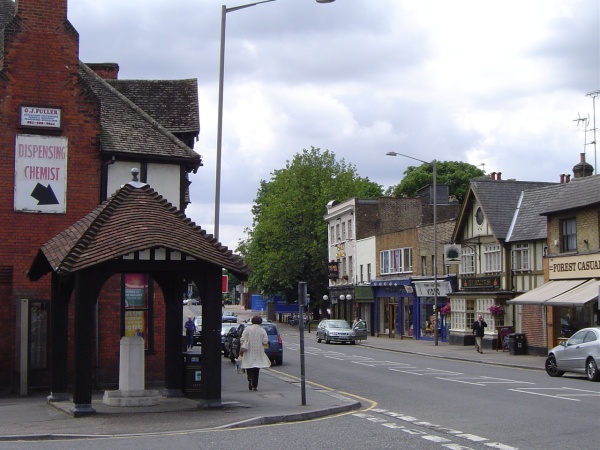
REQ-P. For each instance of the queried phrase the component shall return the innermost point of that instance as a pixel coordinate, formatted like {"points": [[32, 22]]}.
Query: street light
{"points": [[435, 274], [224, 11]]}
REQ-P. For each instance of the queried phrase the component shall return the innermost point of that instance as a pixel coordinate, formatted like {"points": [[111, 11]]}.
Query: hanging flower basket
{"points": [[445, 310], [496, 310]]}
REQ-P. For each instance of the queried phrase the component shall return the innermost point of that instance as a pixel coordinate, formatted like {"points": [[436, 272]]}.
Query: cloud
{"points": [[496, 83]]}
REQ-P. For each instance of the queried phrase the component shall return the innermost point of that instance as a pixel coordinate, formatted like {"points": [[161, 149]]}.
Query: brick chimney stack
{"points": [[499, 176], [42, 15], [583, 169], [493, 176]]}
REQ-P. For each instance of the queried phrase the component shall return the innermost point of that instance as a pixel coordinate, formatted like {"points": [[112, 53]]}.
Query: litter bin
{"points": [[192, 374], [516, 343]]}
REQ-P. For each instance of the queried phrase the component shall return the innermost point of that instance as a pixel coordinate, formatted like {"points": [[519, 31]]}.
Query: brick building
{"points": [[70, 133]]}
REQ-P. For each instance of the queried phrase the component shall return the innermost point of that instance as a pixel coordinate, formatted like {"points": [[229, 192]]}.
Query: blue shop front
{"points": [[404, 307]]}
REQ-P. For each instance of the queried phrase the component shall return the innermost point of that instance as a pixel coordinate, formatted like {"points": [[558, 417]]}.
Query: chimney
{"points": [[499, 177], [493, 176], [42, 15], [582, 169], [108, 71], [568, 178], [562, 178]]}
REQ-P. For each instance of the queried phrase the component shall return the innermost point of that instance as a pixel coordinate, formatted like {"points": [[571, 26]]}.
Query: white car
{"points": [[579, 354], [335, 331]]}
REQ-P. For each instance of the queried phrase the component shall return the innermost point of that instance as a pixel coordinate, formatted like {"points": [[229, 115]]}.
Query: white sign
{"points": [[41, 173], [40, 117], [427, 288]]}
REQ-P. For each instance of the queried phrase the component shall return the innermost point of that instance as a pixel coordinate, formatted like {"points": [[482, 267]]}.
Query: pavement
{"points": [[279, 398]]}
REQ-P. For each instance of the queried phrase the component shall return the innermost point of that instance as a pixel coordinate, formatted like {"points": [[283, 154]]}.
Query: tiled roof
{"points": [[134, 219], [499, 199], [127, 129], [578, 193], [173, 103], [528, 223]]}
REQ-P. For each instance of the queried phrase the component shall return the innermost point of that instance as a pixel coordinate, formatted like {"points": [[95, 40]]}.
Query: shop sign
{"points": [[41, 173], [333, 270], [427, 288], [571, 267], [481, 283], [40, 117]]}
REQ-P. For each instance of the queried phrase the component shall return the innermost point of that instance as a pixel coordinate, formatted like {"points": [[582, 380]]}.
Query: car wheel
{"points": [[318, 338], [591, 370], [327, 341], [551, 368], [353, 342], [279, 361]]}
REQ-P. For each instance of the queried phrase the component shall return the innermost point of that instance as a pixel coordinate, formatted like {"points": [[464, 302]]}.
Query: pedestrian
{"points": [[478, 331], [190, 329], [253, 342]]}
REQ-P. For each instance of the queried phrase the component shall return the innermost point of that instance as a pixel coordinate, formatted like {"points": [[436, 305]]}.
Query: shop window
{"points": [[520, 257], [137, 307], [569, 235]]}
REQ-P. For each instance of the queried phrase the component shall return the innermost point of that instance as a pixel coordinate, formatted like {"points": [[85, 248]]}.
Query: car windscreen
{"points": [[338, 324]]}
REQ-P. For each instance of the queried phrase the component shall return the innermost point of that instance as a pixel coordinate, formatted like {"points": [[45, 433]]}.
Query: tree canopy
{"points": [[288, 239], [456, 174]]}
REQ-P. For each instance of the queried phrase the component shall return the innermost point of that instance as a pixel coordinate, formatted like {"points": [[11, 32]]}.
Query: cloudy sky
{"points": [[493, 82]]}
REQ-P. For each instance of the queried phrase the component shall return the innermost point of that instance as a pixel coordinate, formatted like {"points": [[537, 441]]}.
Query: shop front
{"points": [[394, 307], [431, 308]]}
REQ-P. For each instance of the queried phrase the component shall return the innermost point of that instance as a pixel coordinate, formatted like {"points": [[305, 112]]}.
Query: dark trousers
{"points": [[252, 375], [190, 339]]}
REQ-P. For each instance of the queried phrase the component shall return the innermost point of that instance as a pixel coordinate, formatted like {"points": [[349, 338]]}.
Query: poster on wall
{"points": [[135, 323], [136, 290], [41, 174]]}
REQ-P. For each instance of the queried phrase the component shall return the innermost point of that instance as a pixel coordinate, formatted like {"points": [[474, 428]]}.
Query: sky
{"points": [[497, 84]]}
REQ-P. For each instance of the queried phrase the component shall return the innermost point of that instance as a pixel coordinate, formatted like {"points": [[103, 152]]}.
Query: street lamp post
{"points": [[433, 164], [224, 11]]}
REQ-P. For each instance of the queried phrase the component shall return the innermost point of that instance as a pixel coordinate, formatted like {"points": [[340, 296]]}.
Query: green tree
{"points": [[456, 174], [288, 239]]}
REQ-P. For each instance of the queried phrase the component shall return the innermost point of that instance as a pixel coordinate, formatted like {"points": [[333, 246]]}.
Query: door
{"points": [[392, 313]]}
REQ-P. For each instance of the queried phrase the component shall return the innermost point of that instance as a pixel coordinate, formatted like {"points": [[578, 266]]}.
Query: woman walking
{"points": [[253, 342]]}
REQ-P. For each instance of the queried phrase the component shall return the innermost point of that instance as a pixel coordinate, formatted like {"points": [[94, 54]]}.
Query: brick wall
{"points": [[40, 68]]}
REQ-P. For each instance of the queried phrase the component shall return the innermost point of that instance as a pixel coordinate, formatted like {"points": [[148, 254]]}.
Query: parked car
{"points": [[198, 333], [335, 330], [579, 354], [225, 328], [229, 316], [274, 351]]}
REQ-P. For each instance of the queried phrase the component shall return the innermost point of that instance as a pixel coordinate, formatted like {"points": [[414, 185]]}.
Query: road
{"points": [[410, 401]]}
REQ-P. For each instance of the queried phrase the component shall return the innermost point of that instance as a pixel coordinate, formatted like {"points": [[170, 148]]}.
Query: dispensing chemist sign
{"points": [[41, 173]]}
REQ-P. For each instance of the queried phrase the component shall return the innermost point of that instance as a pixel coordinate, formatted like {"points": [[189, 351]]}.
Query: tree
{"points": [[288, 239], [456, 174]]}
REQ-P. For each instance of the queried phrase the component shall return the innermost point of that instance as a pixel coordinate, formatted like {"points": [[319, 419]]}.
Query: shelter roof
{"points": [[136, 218]]}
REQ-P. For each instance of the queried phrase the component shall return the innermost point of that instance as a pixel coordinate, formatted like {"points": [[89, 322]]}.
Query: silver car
{"points": [[579, 354], [335, 330]]}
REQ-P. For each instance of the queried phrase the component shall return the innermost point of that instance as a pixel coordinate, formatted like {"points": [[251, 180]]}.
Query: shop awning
{"points": [[546, 292], [578, 296]]}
